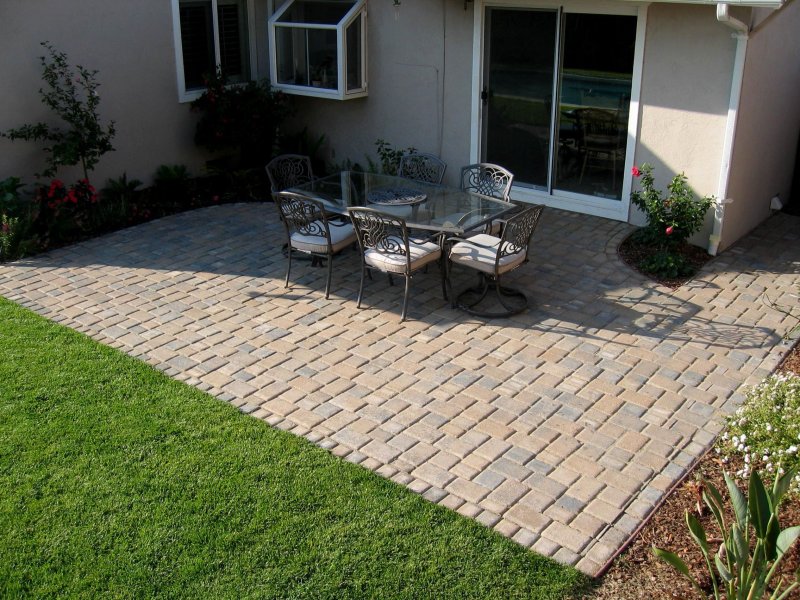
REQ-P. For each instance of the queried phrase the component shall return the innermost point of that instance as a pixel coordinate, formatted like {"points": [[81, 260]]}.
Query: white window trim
{"points": [[618, 210], [185, 95], [358, 11]]}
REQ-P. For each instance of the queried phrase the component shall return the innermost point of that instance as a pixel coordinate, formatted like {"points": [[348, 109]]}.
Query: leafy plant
{"points": [[389, 157], [739, 570], [118, 197], [765, 431], [9, 195], [240, 118], [171, 188], [75, 100], [673, 218]]}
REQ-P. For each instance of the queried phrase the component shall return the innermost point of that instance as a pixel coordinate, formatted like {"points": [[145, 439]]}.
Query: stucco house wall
{"points": [[130, 44], [768, 124], [419, 76], [686, 86]]}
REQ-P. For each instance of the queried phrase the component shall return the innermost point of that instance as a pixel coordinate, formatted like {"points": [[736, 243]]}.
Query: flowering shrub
{"points": [[73, 97], [765, 431], [240, 118], [671, 219], [67, 212], [16, 215]]}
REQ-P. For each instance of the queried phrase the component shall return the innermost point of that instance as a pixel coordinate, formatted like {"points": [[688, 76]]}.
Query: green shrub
{"points": [[389, 157], [74, 98], [242, 119], [765, 431], [673, 218], [16, 217]]}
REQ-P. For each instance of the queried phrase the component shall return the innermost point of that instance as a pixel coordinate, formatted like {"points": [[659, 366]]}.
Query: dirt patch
{"points": [[632, 252]]}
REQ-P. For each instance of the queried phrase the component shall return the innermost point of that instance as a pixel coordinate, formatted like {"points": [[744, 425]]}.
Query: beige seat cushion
{"points": [[480, 253], [421, 254], [341, 237]]}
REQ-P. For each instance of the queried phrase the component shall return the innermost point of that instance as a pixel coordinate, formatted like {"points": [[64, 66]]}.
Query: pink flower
{"points": [[669, 230], [635, 171]]}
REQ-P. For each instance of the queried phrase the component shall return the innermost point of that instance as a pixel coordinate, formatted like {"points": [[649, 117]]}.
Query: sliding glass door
{"points": [[557, 98]]}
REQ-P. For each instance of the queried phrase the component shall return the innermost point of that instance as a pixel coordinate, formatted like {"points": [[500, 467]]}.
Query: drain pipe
{"points": [[740, 33]]}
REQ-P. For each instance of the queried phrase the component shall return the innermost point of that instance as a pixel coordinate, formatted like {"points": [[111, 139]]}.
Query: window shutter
{"points": [[233, 47], [197, 42]]}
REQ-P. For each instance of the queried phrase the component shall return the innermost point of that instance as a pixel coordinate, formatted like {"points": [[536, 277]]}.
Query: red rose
{"points": [[635, 171], [669, 230]]}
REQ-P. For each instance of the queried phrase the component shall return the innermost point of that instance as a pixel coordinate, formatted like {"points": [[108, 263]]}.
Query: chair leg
{"points": [[330, 270], [361, 285], [289, 266], [405, 298]]}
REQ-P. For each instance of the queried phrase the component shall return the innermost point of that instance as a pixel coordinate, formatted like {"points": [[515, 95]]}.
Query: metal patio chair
{"points": [[288, 170], [385, 246], [488, 179], [492, 257], [422, 167], [310, 231]]}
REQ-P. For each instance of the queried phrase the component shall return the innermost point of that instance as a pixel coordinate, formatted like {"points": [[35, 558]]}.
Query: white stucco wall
{"points": [[419, 70], [130, 44], [768, 124], [686, 86]]}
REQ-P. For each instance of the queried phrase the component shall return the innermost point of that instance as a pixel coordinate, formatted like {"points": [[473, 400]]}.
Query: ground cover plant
{"points": [[119, 482]]}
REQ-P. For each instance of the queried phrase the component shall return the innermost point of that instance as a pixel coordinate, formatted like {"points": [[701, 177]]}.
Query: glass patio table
{"points": [[424, 206]]}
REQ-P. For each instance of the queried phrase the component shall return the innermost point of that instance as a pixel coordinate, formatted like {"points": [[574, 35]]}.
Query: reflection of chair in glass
{"points": [[385, 246], [289, 170], [422, 167], [600, 140], [310, 232], [493, 257]]}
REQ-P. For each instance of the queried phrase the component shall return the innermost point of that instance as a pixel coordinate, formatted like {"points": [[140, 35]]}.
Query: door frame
{"points": [[613, 209]]}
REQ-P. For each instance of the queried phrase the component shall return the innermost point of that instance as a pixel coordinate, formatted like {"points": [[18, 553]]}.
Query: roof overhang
{"points": [[754, 3]]}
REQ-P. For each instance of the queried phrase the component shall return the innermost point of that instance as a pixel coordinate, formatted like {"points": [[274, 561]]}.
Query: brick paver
{"points": [[561, 427]]}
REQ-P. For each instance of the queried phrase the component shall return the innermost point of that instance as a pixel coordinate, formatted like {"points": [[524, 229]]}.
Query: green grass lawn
{"points": [[116, 481]]}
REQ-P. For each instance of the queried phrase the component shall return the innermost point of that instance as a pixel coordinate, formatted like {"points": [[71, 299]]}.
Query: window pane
{"points": [[519, 95], [321, 12], [197, 42], [595, 100], [234, 52], [306, 57], [353, 48]]}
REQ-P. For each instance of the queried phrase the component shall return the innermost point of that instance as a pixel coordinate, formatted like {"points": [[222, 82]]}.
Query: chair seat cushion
{"points": [[341, 237], [480, 252], [421, 254]]}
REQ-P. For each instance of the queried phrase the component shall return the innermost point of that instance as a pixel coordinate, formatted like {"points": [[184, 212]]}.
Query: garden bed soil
{"points": [[637, 573], [633, 253]]}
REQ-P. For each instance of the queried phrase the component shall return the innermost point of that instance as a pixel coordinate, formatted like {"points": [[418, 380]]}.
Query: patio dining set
{"points": [[402, 223]]}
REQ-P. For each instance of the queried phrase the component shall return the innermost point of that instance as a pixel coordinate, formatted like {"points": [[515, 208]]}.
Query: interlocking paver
{"points": [[561, 428]]}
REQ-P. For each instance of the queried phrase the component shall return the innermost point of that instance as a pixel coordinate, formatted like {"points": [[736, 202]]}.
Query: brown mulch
{"points": [[633, 253], [637, 573]]}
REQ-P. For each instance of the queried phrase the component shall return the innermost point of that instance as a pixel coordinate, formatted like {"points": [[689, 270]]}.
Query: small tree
{"points": [[74, 99]]}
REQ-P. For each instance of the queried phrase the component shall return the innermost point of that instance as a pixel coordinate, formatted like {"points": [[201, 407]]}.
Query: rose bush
{"points": [[671, 219]]}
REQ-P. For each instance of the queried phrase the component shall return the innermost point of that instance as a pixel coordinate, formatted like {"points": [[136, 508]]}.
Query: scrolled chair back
{"points": [[304, 215], [379, 231], [422, 167], [288, 170], [487, 179], [518, 231]]}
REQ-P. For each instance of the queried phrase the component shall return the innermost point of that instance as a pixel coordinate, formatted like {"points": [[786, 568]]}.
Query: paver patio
{"points": [[561, 428]]}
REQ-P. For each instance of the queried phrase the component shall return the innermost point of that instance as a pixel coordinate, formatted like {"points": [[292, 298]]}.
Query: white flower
{"points": [[769, 427], [747, 458]]}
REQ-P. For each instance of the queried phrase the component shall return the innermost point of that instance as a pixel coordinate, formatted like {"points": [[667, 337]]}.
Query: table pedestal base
{"points": [[470, 300]]}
